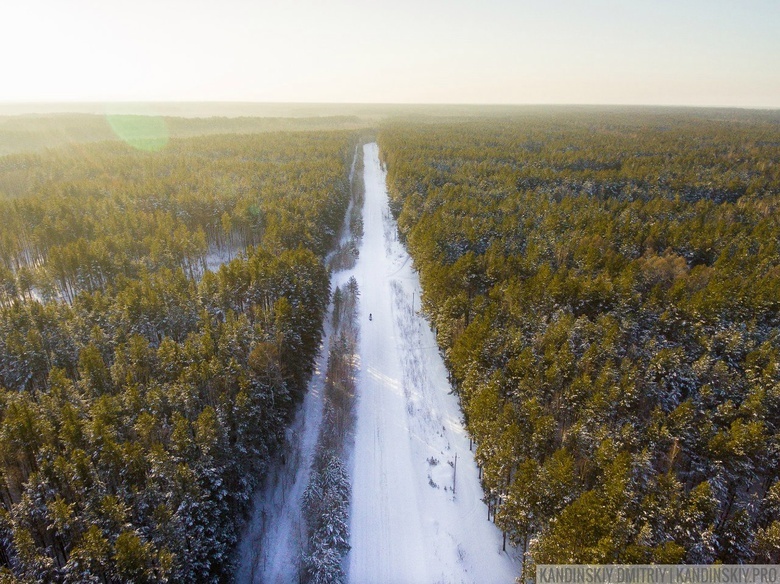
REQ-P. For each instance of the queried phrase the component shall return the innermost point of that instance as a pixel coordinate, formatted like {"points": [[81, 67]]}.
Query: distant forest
{"points": [[606, 291], [144, 387], [27, 133]]}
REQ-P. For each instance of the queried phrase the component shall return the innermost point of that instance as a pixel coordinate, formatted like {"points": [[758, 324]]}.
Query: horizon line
{"points": [[380, 104]]}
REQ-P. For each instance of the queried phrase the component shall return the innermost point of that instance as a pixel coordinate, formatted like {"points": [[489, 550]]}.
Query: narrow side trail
{"points": [[270, 548], [274, 538], [414, 517]]}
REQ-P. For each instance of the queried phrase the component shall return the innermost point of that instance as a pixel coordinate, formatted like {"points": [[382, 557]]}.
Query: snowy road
{"points": [[407, 524]]}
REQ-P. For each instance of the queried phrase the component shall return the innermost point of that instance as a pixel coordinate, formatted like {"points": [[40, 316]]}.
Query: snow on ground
{"points": [[407, 524], [217, 256]]}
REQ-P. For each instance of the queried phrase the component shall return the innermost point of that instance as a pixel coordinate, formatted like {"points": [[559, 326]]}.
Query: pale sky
{"points": [[666, 52]]}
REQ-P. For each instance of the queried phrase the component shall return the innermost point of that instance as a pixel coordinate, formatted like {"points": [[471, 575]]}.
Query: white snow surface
{"points": [[407, 525]]}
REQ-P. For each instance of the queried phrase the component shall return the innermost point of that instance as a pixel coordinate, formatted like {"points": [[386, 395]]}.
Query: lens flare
{"points": [[148, 133]]}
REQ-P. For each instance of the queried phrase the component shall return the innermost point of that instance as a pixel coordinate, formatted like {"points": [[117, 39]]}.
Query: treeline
{"points": [[84, 217], [606, 290], [137, 418]]}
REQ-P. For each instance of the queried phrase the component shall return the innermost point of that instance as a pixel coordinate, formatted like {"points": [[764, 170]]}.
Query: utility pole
{"points": [[454, 473]]}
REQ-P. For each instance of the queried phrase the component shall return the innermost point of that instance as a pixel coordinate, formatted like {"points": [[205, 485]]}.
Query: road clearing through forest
{"points": [[417, 516]]}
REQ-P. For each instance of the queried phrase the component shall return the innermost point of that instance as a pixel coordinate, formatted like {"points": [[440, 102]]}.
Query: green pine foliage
{"points": [[90, 216], [606, 290], [140, 404]]}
